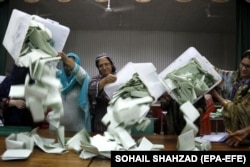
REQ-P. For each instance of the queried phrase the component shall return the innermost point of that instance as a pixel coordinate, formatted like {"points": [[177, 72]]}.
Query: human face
{"points": [[104, 66], [245, 68]]}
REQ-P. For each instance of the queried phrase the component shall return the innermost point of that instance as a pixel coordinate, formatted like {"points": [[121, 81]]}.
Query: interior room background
{"points": [[159, 47]]}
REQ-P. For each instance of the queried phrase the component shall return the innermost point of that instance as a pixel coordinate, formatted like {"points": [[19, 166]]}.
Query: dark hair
{"points": [[246, 54], [105, 55]]}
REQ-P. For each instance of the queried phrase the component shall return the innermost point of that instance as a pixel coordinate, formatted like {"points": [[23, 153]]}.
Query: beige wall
{"points": [[160, 48]]}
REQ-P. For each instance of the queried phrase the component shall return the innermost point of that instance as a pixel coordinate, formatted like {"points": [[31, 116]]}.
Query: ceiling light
{"points": [[183, 0], [31, 1], [101, 0], [219, 1], [64, 1], [143, 1]]}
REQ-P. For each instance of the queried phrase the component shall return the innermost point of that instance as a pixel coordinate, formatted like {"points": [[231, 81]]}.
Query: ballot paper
{"points": [[147, 74], [202, 145], [2, 78], [189, 111], [17, 91], [182, 69], [18, 27], [19, 141], [15, 154], [186, 141], [215, 137], [102, 145], [44, 93], [74, 143], [19, 146], [190, 114], [48, 145]]}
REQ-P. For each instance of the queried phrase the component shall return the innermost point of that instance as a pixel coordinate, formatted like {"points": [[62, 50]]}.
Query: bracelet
{"points": [[224, 103]]}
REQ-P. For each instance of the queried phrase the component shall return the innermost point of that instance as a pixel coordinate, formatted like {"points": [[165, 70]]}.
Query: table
{"points": [[41, 159]]}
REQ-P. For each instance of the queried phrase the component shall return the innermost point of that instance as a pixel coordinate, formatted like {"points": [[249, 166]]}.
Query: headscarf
{"points": [[105, 55], [68, 82]]}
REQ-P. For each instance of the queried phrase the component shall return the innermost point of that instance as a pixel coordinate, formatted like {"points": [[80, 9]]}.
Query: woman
{"points": [[74, 93], [15, 112], [236, 106], [107, 71]]}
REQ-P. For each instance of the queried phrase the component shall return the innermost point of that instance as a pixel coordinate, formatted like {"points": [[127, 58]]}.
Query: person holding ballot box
{"points": [[234, 96], [74, 92]]}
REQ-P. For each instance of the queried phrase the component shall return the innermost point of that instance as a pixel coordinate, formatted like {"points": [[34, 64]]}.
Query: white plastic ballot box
{"points": [[18, 26], [147, 73], [183, 60]]}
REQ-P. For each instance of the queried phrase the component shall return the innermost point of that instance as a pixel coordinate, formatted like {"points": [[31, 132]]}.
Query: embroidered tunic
{"points": [[237, 112]]}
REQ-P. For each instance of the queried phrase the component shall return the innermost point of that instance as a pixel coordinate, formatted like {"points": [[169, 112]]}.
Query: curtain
{"points": [[243, 28], [4, 17]]}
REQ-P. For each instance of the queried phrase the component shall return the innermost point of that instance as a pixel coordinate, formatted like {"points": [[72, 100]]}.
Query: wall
{"points": [[160, 48]]}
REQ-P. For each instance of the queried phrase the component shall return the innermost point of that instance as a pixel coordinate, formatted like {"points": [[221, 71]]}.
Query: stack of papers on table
{"points": [[215, 137]]}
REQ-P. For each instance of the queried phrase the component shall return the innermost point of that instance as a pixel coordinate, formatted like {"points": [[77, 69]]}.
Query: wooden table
{"points": [[39, 158]]}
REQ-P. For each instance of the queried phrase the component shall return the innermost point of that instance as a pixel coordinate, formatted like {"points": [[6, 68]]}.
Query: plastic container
{"points": [[147, 73], [18, 26], [181, 61]]}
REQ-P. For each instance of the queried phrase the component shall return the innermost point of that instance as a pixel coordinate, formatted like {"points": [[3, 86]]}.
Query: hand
{"points": [[63, 56], [236, 137], [215, 94], [106, 80], [20, 104], [67, 61], [110, 78]]}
